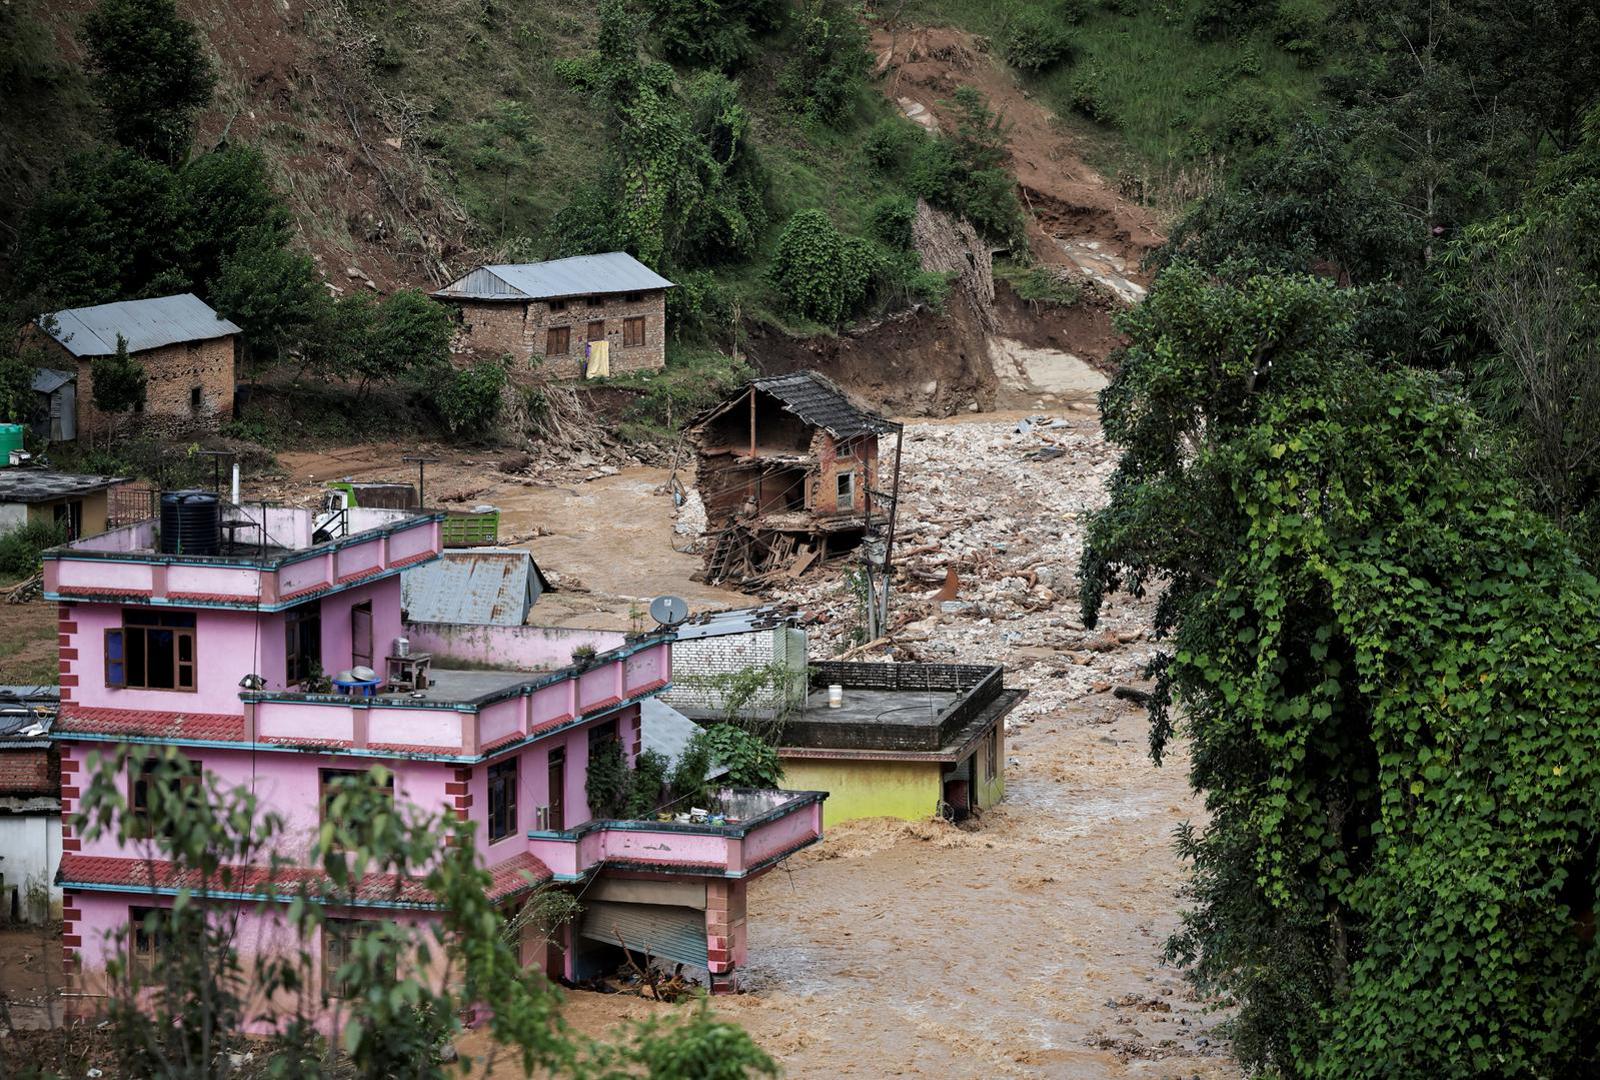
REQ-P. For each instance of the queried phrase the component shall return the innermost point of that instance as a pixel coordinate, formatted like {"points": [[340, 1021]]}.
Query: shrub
{"points": [[699, 307], [890, 143], [829, 64], [1087, 98], [750, 762], [818, 271], [1036, 40], [647, 784], [469, 400], [889, 221], [20, 548]]}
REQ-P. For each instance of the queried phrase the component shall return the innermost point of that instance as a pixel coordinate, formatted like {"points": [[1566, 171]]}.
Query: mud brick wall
{"points": [[172, 372], [28, 772], [521, 330], [860, 457]]}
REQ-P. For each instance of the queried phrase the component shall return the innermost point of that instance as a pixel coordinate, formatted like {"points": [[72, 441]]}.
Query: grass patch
{"points": [[1154, 102], [694, 379], [1041, 284]]}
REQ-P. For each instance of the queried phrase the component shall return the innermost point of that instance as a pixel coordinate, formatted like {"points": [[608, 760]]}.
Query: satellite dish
{"points": [[669, 611]]}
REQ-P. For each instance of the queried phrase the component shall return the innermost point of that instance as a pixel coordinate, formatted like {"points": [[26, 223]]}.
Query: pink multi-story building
{"points": [[206, 648]]}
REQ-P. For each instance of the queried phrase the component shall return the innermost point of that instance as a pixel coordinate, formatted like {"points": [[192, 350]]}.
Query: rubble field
{"points": [[1027, 943]]}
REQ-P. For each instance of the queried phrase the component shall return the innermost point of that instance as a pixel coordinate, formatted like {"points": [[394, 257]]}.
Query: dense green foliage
{"points": [[150, 73], [1036, 39], [751, 761], [1385, 664], [469, 398], [821, 273], [20, 546], [713, 33], [820, 80]]}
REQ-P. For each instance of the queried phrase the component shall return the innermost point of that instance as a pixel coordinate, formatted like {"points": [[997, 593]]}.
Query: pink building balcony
{"points": [[760, 829], [462, 715], [271, 560]]}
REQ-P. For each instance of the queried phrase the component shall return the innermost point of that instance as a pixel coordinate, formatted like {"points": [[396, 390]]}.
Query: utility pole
{"points": [[422, 462], [894, 511]]}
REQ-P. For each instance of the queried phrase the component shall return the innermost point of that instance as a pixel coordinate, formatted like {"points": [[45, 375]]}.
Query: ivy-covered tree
{"points": [[1386, 666], [151, 73], [818, 271], [274, 294]]}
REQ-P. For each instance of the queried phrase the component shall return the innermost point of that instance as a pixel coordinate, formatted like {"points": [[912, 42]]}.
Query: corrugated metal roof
{"points": [[581, 275], [739, 621], [42, 485], [667, 731], [49, 380], [146, 324], [818, 401], [493, 586], [26, 715]]}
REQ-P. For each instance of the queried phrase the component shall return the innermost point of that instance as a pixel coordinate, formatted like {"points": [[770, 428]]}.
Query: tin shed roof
{"points": [[146, 324], [494, 586], [581, 275], [49, 380], [738, 621], [818, 401]]}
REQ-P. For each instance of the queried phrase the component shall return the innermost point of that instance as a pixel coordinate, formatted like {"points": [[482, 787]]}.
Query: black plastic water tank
{"points": [[191, 523]]}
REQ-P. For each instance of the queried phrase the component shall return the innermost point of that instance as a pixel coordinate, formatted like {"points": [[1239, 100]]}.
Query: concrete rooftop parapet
{"points": [[780, 824]]}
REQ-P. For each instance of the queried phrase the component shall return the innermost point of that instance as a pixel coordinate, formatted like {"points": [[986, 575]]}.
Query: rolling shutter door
{"points": [[669, 933]]}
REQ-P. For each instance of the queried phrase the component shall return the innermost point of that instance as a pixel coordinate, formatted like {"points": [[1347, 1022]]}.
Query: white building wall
{"points": [[30, 852], [698, 660]]}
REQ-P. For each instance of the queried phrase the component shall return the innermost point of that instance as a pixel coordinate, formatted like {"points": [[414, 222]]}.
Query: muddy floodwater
{"points": [[1028, 943]]}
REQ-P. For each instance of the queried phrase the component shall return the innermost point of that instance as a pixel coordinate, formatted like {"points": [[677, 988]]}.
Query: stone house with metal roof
{"points": [[788, 471], [185, 347], [585, 316]]}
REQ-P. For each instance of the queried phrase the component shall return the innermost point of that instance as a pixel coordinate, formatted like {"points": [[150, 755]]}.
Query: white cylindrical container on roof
{"points": [[835, 696]]}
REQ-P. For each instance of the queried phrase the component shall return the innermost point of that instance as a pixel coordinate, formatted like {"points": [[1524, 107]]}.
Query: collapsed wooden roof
{"points": [[816, 400]]}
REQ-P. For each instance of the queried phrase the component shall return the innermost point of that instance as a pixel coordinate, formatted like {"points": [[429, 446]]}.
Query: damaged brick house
{"points": [[587, 315], [788, 471]]}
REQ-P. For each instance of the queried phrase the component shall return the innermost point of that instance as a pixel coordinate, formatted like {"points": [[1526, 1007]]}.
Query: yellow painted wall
{"points": [[862, 789], [990, 788], [94, 511]]}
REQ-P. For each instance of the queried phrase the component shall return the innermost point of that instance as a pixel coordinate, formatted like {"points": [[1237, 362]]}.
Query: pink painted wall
{"points": [[289, 785], [769, 839], [258, 931], [533, 783], [336, 633], [228, 645], [523, 648]]}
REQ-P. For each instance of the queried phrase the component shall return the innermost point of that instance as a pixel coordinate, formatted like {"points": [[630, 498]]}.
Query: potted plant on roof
{"points": [[583, 656]]}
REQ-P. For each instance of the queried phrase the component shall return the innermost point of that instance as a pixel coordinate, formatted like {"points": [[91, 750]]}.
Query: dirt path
{"points": [[1081, 220], [605, 533]]}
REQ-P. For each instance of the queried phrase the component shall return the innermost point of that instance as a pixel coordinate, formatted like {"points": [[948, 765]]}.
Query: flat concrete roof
{"points": [[451, 684], [24, 485], [903, 708]]}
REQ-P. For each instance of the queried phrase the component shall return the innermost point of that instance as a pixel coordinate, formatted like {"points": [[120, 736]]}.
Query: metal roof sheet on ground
{"points": [[49, 380], [581, 275], [739, 621], [26, 715], [818, 401], [495, 586], [145, 324], [42, 485], [667, 731]]}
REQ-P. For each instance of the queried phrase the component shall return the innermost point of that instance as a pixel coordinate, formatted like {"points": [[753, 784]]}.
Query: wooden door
{"points": [[361, 635], [558, 790]]}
